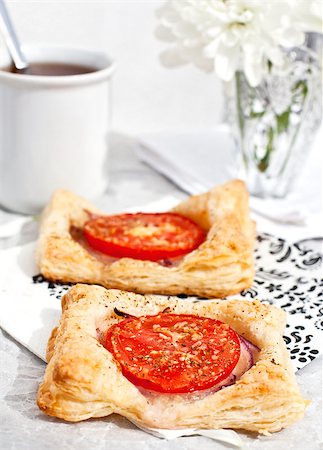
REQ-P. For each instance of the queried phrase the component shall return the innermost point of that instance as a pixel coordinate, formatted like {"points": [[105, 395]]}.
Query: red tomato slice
{"points": [[143, 236], [174, 353]]}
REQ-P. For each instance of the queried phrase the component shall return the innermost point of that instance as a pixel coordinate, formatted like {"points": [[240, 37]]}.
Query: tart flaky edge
{"points": [[82, 379], [222, 265]]}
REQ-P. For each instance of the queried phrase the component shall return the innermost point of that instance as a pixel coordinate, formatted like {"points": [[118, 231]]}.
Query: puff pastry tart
{"points": [[164, 362], [221, 265]]}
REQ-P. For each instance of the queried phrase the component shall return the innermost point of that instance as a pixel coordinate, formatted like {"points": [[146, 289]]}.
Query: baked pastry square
{"points": [[83, 380], [222, 265]]}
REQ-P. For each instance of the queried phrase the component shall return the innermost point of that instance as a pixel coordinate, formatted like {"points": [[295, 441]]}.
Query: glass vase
{"points": [[275, 122]]}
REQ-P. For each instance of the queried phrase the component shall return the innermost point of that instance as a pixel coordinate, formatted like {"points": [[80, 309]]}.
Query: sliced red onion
{"points": [[249, 354], [246, 361], [252, 348]]}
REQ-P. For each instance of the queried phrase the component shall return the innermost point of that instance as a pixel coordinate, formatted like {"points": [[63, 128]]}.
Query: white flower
{"points": [[228, 35]]}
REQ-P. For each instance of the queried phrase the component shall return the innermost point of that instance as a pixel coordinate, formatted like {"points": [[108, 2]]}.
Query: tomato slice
{"points": [[143, 236], [174, 353]]}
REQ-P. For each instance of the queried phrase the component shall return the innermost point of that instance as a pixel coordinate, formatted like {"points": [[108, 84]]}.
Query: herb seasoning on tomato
{"points": [[143, 236], [174, 353]]}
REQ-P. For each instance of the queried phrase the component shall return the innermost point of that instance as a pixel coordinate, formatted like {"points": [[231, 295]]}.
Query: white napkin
{"points": [[200, 160], [14, 226], [227, 436], [27, 311], [194, 161]]}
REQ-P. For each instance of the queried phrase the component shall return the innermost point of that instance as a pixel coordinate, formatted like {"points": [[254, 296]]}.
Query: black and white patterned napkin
{"points": [[287, 276]]}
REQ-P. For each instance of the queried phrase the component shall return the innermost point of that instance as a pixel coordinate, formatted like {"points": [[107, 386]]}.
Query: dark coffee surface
{"points": [[52, 69]]}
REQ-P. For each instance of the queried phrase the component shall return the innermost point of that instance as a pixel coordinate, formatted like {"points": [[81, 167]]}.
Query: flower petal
{"points": [[253, 67], [226, 61]]}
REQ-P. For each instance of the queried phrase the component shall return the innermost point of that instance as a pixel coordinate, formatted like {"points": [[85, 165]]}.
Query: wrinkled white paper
{"points": [[227, 436]]}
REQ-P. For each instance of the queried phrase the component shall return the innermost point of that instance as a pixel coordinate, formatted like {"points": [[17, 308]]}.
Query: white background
{"points": [[147, 96]]}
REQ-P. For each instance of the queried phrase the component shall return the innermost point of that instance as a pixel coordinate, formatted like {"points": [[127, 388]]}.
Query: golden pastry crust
{"points": [[83, 380], [220, 266]]}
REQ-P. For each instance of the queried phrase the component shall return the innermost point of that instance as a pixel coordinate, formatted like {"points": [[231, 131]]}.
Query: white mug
{"points": [[54, 129]]}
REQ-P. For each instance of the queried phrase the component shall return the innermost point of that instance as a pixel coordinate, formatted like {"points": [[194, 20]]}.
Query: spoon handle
{"points": [[10, 37]]}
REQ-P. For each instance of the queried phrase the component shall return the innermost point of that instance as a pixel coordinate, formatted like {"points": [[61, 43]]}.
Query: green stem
{"points": [[304, 107], [240, 116], [264, 162]]}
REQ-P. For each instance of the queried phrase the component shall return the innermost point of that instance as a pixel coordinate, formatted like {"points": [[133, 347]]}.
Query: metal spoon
{"points": [[11, 39]]}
